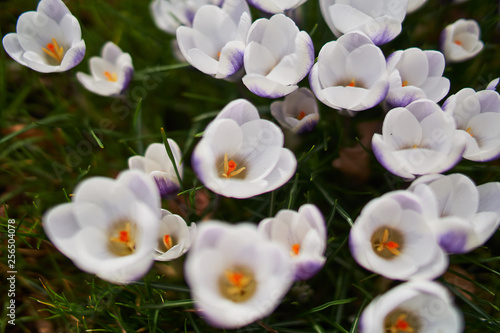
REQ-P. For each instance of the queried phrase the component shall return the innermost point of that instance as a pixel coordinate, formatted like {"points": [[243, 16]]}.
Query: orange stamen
{"points": [[124, 236], [167, 241], [468, 131], [414, 146], [53, 50], [230, 168], [301, 115], [404, 84], [295, 249], [110, 76], [459, 43], [388, 245], [235, 278], [401, 325], [352, 83]]}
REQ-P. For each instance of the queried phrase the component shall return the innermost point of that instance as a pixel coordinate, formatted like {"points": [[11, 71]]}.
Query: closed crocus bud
{"points": [[380, 20], [48, 40], [277, 57], [235, 275], [477, 114], [158, 165], [175, 237], [111, 226], [416, 74], [350, 73], [241, 155], [418, 140], [216, 42], [460, 40], [302, 234], [275, 6], [416, 306], [298, 112], [462, 215], [111, 72]]}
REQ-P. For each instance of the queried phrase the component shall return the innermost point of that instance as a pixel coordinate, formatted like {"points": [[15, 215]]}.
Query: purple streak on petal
{"points": [[257, 5], [166, 186], [190, 16], [307, 126], [236, 60], [400, 102], [383, 37], [381, 97], [129, 73], [453, 241], [307, 269], [263, 93], [77, 58]]}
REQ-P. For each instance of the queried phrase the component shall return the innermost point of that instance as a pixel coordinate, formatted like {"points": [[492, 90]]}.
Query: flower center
{"points": [[399, 321], [301, 115], [54, 51], [352, 83], [230, 168], [111, 76], [167, 241], [404, 84], [459, 43], [387, 243], [238, 284], [122, 240], [295, 250]]}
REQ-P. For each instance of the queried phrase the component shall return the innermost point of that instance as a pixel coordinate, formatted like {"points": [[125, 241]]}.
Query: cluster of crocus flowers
{"points": [[460, 40], [298, 112], [160, 167], [111, 73], [241, 155], [46, 40]]}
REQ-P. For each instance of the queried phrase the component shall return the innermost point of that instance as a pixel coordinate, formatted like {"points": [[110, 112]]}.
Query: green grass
{"points": [[54, 133]]}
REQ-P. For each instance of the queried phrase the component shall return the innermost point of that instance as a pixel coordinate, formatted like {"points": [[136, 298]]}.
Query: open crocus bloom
{"points": [[413, 5], [478, 115], [462, 216], [216, 42], [236, 276], [158, 165], [276, 6], [48, 40], [111, 226], [241, 155], [298, 112], [277, 56], [460, 40], [168, 15], [416, 74], [350, 73], [416, 307], [175, 237], [391, 237], [111, 73], [302, 234], [379, 20], [418, 140]]}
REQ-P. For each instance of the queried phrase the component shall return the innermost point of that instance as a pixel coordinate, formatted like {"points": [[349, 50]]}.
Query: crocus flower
{"points": [[277, 56], [460, 40], [175, 237], [478, 115], [302, 234], [413, 5], [416, 306], [391, 237], [350, 73], [462, 216], [416, 74], [241, 155], [216, 42], [48, 40], [111, 73], [275, 6], [379, 20], [298, 112], [111, 226], [168, 15], [158, 165], [236, 276], [417, 140]]}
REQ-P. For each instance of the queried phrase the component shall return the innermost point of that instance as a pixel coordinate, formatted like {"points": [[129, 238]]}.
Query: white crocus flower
{"points": [[275, 6], [175, 237], [298, 112], [48, 40], [277, 56], [111, 226], [158, 165], [241, 155], [460, 40], [350, 73], [380, 20], [413, 5], [111, 72], [417, 140], [168, 15], [415, 306], [478, 115], [235, 275], [416, 74], [391, 237], [302, 234], [216, 42], [462, 216]]}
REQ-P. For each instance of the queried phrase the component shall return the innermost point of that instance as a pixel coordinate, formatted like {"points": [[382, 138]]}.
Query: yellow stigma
{"points": [[55, 51], [123, 241], [230, 168], [111, 76], [237, 285], [468, 131], [404, 84], [388, 245], [295, 250]]}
